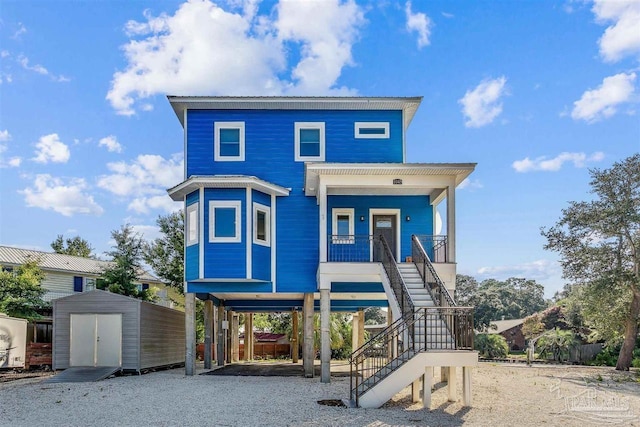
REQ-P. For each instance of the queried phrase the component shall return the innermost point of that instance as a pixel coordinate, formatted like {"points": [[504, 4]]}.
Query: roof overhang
{"points": [[409, 105], [196, 182], [430, 179]]}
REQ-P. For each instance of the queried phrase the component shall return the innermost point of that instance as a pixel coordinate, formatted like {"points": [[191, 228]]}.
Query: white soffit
{"points": [[409, 105], [196, 182]]}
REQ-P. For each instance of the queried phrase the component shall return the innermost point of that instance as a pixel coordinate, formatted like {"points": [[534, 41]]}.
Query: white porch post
{"points": [[426, 387], [190, 328], [451, 222], [325, 349], [466, 385], [354, 332], [322, 210], [451, 383]]}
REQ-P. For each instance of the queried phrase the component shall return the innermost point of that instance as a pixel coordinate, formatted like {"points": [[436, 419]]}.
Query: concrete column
{"points": [[415, 390], [354, 332], [426, 387], [295, 349], [220, 336], [228, 341], [248, 336], [360, 327], [307, 350], [235, 338], [190, 329], [451, 223], [451, 383], [466, 385], [444, 373], [208, 333], [325, 337]]}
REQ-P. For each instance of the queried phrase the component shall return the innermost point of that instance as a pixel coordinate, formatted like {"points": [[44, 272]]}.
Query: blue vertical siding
{"points": [[416, 207], [192, 255], [225, 260], [261, 255]]}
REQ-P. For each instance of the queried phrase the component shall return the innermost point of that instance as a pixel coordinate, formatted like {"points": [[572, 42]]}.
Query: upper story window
{"points": [[192, 224], [225, 221], [372, 130], [309, 138], [228, 141], [343, 225], [89, 284], [261, 224]]}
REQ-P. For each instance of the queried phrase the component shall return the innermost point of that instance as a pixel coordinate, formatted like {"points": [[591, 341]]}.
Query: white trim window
{"points": [[372, 130], [89, 284], [261, 224], [225, 221], [309, 141], [342, 226], [228, 140], [191, 219]]}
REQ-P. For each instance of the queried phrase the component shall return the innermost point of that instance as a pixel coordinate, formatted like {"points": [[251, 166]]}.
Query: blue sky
{"points": [[535, 92]]}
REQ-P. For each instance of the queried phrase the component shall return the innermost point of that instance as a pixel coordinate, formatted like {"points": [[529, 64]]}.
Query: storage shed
{"points": [[13, 342], [100, 328]]}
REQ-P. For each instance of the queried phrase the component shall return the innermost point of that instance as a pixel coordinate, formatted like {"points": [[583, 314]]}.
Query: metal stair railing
{"points": [[430, 279]]}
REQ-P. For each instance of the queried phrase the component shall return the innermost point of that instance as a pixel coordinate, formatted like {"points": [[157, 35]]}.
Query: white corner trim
{"points": [[273, 242], [248, 248], [201, 232]]}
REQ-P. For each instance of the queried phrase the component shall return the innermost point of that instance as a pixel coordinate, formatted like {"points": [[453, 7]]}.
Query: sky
{"points": [[535, 92]]}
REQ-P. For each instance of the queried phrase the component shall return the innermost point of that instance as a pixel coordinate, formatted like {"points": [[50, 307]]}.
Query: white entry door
{"points": [[96, 340]]}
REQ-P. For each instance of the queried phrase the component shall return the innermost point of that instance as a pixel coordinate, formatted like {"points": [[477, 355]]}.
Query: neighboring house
{"points": [[286, 200], [267, 337], [511, 330], [67, 275]]}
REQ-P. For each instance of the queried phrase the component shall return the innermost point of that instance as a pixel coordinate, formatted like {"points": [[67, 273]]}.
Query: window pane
{"points": [[230, 135], [261, 232], [193, 225], [372, 131], [229, 149], [310, 135], [309, 149], [225, 222], [343, 225]]}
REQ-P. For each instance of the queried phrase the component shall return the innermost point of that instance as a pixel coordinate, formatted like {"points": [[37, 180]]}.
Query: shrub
{"points": [[491, 346]]}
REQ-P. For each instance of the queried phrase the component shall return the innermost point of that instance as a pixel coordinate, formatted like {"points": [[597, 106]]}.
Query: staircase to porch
{"points": [[430, 330]]}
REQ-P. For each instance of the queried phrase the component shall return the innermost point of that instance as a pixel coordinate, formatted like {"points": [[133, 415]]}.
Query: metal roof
{"points": [[50, 261], [409, 105], [195, 182]]}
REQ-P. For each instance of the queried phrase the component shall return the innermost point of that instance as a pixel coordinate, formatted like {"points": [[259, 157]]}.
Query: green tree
{"points": [[491, 346], [375, 316], [20, 291], [76, 246], [466, 288], [599, 246], [122, 276], [166, 254], [558, 343]]}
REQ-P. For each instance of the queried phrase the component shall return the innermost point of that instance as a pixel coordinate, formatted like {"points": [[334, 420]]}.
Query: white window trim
{"points": [[309, 125], [369, 125], [216, 138], [267, 210], [192, 207], [350, 212], [213, 204]]}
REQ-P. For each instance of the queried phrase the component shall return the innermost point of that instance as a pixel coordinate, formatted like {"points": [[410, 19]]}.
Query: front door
{"points": [[384, 225], [96, 340]]}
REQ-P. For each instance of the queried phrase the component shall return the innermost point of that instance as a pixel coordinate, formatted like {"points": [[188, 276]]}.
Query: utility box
{"points": [[13, 342], [100, 328]]}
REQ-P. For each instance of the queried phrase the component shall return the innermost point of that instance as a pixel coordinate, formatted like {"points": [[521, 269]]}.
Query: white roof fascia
{"points": [[195, 182], [408, 105]]}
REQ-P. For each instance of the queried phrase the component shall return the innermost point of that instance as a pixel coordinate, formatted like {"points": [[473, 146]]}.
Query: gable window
{"points": [[309, 139], [372, 130], [192, 224], [228, 141], [225, 221], [261, 224], [89, 284], [343, 226]]}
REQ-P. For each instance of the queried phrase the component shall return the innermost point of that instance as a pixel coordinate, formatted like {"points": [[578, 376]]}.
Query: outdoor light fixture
{"points": [[361, 218], [408, 218]]}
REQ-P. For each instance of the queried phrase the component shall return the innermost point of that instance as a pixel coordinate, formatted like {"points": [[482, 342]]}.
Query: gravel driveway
{"points": [[502, 395]]}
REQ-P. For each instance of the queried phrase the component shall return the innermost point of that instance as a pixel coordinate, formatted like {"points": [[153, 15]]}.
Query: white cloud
{"points": [[482, 105], [39, 69], [147, 232], [146, 179], [50, 149], [19, 32], [622, 37], [470, 184], [203, 49], [5, 135], [448, 15], [579, 160], [13, 162], [420, 23], [68, 199], [112, 144], [601, 103], [539, 270]]}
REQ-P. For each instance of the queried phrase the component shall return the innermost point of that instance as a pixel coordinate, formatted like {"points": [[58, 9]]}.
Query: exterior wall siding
{"points": [[162, 336], [192, 252], [261, 255]]}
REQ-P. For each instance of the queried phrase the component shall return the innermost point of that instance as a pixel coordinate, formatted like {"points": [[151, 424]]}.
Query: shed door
{"points": [[96, 340]]}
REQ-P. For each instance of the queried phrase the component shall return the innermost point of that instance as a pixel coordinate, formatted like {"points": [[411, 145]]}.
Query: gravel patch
{"points": [[502, 395]]}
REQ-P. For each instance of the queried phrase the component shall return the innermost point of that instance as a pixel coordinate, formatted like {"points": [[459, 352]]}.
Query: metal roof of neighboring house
{"points": [[49, 261], [266, 336], [409, 105], [504, 325]]}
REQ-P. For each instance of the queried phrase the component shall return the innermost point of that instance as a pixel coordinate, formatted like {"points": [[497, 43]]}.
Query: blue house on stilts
{"points": [[308, 204]]}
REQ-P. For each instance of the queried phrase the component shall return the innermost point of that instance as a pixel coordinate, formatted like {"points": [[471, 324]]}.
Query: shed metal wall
{"points": [[96, 302], [162, 336]]}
